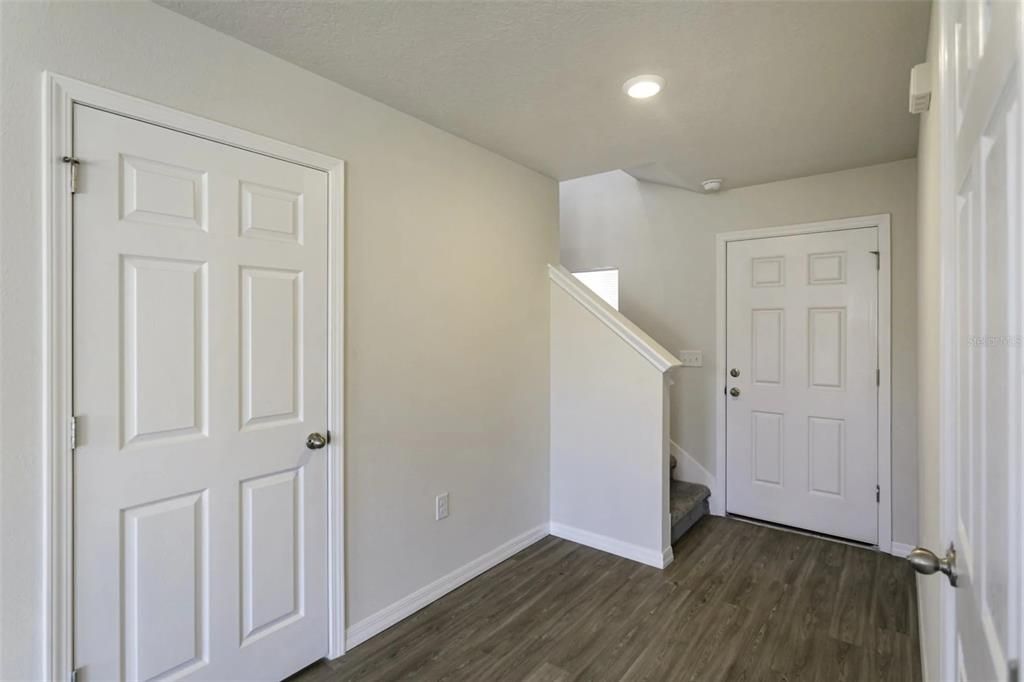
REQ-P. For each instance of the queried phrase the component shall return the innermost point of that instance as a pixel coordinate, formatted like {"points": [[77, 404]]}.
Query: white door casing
{"points": [[200, 364], [982, 388], [802, 334]]}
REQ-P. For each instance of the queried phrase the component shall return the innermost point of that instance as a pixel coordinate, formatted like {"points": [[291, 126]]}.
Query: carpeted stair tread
{"points": [[688, 502], [684, 497]]}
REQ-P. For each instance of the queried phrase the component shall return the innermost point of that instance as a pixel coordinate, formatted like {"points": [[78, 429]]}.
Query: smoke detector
{"points": [[711, 186]]}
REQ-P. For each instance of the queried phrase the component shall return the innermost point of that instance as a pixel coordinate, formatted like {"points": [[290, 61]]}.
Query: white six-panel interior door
{"points": [[983, 266], [200, 350], [802, 384]]}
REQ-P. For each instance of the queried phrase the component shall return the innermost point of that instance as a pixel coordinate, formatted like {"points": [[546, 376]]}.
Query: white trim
{"points": [[901, 549], [336, 412], [57, 406], [884, 424], [922, 647], [410, 604], [882, 222], [690, 470], [627, 550], [59, 95], [948, 332], [654, 352]]}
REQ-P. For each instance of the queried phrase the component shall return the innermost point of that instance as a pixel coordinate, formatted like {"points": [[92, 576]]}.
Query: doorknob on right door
{"points": [[926, 562], [315, 441], [734, 392]]}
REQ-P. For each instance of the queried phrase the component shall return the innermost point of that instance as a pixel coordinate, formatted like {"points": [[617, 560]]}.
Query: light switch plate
{"points": [[691, 358], [441, 507]]}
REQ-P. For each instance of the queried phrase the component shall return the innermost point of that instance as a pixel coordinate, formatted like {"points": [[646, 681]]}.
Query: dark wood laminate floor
{"points": [[740, 602]]}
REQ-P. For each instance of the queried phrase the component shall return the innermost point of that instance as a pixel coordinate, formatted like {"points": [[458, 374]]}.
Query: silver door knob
{"points": [[734, 372], [925, 562], [315, 441], [734, 391]]}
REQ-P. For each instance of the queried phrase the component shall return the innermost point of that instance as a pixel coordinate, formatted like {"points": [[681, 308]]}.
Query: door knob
{"points": [[315, 441], [734, 372], [734, 391], [925, 562]]}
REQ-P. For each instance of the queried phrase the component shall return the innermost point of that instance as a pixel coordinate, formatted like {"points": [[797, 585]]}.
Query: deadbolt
{"points": [[734, 372], [734, 392]]}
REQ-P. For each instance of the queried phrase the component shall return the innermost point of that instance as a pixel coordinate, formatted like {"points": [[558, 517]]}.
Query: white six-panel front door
{"points": [[801, 444], [200, 345]]}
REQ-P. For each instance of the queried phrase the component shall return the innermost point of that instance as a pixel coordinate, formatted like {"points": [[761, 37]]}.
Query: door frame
{"points": [[882, 222], [60, 94], [944, 106]]}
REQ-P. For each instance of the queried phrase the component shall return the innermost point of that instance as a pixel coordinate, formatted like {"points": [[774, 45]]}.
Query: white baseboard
{"points": [[667, 556], [692, 471], [900, 549], [406, 606], [922, 635], [651, 557]]}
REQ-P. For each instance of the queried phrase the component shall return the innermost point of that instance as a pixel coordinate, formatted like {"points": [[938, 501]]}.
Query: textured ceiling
{"points": [[756, 91]]}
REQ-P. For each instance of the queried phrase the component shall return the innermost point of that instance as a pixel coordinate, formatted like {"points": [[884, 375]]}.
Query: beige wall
{"points": [[446, 310], [663, 241], [928, 367]]}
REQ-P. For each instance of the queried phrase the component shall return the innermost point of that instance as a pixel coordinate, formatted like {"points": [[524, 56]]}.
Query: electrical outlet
{"points": [[691, 358], [441, 507]]}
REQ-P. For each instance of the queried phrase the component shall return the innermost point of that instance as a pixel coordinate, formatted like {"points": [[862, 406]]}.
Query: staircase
{"points": [[609, 435], [688, 502]]}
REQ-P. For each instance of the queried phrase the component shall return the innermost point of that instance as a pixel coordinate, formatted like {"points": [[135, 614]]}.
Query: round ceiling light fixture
{"points": [[643, 86]]}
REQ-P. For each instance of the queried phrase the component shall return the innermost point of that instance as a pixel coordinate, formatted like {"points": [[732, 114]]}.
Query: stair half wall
{"points": [[609, 427]]}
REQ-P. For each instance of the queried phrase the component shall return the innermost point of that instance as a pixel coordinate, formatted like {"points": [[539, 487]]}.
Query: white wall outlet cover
{"points": [[441, 507], [691, 358]]}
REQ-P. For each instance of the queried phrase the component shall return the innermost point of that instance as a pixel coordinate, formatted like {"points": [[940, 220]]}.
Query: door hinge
{"points": [[878, 259], [73, 677], [878, 377], [878, 493], [1013, 671], [73, 433], [73, 176]]}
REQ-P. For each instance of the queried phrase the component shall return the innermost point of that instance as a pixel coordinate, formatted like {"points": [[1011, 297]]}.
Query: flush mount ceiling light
{"points": [[643, 86]]}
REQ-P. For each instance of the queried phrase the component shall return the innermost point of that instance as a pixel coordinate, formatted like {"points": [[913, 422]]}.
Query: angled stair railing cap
{"points": [[653, 351]]}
